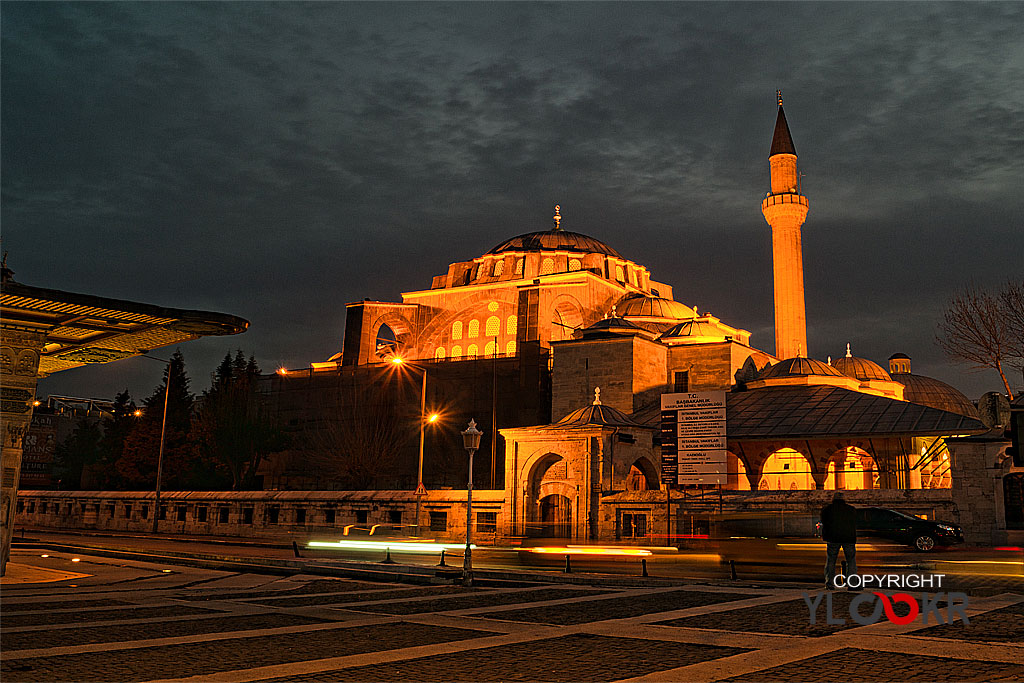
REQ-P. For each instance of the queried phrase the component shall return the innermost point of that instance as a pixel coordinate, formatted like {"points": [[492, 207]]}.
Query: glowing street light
{"points": [[471, 440], [423, 420]]}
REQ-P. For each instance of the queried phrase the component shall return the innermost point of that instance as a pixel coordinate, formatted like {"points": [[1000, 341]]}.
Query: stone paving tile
{"points": [[854, 666], [197, 659], [791, 617], [615, 608], [577, 657], [317, 586], [471, 601], [12, 607], [1005, 625], [41, 618], [30, 640], [301, 601]]}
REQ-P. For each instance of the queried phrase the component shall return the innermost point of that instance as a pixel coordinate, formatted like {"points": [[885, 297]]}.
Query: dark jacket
{"points": [[839, 522]]}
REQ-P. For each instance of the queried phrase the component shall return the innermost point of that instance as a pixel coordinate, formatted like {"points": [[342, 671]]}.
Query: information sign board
{"points": [[693, 438]]}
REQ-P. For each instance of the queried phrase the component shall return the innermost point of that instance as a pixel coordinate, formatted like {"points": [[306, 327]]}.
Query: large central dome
{"points": [[555, 240]]}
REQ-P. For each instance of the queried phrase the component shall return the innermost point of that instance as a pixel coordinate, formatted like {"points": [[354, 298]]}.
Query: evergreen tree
{"points": [[138, 463], [115, 432], [233, 428]]}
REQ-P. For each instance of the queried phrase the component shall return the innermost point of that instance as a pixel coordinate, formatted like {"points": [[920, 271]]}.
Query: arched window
{"points": [[456, 352], [499, 268], [510, 348], [489, 349], [519, 267], [493, 306], [575, 264], [439, 353], [457, 329], [493, 327], [474, 328], [511, 324], [387, 342], [619, 274], [472, 351], [547, 266]]}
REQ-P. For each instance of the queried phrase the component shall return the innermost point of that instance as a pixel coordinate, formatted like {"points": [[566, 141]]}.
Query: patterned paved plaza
{"points": [[120, 620]]}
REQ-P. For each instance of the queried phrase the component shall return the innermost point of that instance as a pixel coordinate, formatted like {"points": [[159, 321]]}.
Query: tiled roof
{"points": [[824, 411]]}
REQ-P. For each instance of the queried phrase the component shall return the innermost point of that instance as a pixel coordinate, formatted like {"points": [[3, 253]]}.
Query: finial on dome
{"points": [[597, 396], [778, 93], [799, 350], [848, 354], [614, 314], [558, 217], [830, 360]]}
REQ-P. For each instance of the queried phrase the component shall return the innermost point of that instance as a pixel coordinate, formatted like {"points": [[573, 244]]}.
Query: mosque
{"points": [[566, 347]]}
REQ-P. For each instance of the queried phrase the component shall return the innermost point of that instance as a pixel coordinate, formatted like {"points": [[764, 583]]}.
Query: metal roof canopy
{"points": [[815, 412], [82, 328]]}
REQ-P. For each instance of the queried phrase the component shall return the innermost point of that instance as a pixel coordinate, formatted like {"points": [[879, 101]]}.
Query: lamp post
{"points": [[163, 430], [423, 420], [471, 440]]}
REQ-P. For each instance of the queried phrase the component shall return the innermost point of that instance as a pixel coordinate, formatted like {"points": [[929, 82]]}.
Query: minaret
{"points": [[785, 210]]}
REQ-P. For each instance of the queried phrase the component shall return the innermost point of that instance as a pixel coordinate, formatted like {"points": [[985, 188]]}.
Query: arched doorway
{"points": [[786, 470], [556, 516], [642, 476]]}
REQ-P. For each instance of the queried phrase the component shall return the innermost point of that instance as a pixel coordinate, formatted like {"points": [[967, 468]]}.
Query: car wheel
{"points": [[924, 543]]}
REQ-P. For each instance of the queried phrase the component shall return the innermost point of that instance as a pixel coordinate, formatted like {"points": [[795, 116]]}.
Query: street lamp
{"points": [[471, 440], [163, 430], [423, 420]]}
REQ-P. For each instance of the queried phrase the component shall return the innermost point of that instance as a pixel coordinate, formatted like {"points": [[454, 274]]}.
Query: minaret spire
{"points": [[785, 209]]}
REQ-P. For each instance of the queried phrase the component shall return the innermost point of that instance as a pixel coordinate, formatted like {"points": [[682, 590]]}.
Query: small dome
{"points": [[642, 306], [899, 356], [597, 415], [927, 391], [693, 328], [799, 367], [555, 240], [860, 368], [613, 325]]}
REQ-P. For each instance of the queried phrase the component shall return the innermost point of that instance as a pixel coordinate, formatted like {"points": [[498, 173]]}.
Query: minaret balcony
{"points": [[783, 198]]}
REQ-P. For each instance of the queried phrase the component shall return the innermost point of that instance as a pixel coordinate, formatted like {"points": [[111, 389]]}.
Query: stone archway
{"points": [[786, 469], [642, 476], [566, 317], [550, 491]]}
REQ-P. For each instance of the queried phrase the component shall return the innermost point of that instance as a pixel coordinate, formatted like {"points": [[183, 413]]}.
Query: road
{"points": [[71, 616]]}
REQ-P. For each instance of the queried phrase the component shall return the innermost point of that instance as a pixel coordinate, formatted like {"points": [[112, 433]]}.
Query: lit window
{"points": [[474, 328], [619, 275], [575, 264], [489, 349], [493, 326], [493, 306], [472, 351], [519, 267], [499, 268], [547, 266], [511, 324], [456, 352], [439, 354], [457, 329], [510, 348]]}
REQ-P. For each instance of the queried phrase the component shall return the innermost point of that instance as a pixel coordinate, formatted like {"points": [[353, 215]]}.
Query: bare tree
{"points": [[976, 329], [359, 434], [1012, 301]]}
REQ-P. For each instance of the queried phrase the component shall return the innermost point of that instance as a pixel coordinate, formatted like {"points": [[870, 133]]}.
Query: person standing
{"points": [[839, 530]]}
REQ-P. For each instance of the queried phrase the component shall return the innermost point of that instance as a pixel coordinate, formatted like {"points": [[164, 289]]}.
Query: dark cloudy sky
{"points": [[275, 161]]}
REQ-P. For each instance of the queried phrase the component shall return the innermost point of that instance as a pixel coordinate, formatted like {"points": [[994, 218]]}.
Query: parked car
{"points": [[921, 534]]}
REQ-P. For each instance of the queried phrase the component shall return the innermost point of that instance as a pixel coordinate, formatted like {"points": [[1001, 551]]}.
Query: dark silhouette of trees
{"points": [[138, 462], [115, 431], [233, 429], [982, 329], [358, 443]]}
